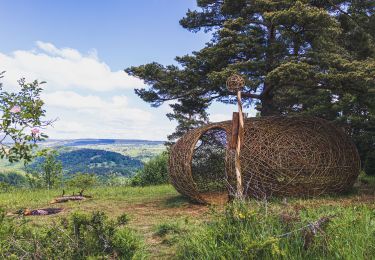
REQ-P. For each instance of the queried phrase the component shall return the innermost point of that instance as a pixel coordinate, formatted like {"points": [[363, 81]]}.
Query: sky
{"points": [[80, 48]]}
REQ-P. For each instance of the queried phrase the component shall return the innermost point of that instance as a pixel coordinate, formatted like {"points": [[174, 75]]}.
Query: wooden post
{"points": [[238, 147], [235, 83], [234, 137]]}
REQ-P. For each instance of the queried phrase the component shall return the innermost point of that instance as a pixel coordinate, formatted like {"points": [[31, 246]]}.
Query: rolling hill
{"points": [[94, 161]]}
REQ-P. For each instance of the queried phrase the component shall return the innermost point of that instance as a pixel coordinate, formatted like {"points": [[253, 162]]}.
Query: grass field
{"points": [[161, 216], [148, 207]]}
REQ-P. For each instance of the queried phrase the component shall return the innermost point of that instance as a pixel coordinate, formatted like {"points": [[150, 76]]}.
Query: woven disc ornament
{"points": [[235, 83]]}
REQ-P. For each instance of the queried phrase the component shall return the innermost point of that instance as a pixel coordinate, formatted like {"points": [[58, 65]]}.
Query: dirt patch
{"points": [[216, 198], [36, 212]]}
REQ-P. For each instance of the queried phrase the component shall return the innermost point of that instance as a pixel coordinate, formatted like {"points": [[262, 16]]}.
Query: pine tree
{"points": [[309, 56]]}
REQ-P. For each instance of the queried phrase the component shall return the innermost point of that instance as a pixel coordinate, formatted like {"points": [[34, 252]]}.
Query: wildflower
{"points": [[241, 216], [35, 131], [15, 109]]}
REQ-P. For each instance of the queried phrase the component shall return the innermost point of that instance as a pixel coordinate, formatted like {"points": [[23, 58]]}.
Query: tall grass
{"points": [[246, 232]]}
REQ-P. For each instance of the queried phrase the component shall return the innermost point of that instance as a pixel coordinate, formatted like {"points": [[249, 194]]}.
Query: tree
{"points": [[21, 121], [83, 181], [154, 171], [309, 56], [51, 170]]}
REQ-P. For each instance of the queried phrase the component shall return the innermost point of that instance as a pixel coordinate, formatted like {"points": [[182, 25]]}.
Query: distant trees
{"points": [[82, 181], [80, 168], [13, 178], [51, 170], [10, 179], [49, 173], [154, 172], [298, 57], [95, 161]]}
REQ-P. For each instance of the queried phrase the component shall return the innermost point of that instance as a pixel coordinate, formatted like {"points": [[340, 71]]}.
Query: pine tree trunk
{"points": [[268, 108]]}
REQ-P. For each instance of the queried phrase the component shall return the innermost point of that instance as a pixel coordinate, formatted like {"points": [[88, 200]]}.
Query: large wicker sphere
{"points": [[282, 156]]}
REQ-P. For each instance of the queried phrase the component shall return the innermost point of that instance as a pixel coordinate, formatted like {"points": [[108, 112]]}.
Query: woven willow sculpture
{"points": [[283, 156]]}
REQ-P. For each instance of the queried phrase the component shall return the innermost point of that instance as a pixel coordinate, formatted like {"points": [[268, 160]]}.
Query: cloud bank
{"points": [[88, 98], [64, 68]]}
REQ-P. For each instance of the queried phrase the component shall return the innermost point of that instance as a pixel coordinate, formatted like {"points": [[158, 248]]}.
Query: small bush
{"points": [[154, 172], [80, 237], [127, 245], [167, 228], [170, 232], [82, 181]]}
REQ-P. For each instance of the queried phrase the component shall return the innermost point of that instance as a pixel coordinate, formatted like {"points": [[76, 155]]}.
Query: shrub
{"points": [[82, 181], [243, 233], [154, 172], [370, 163], [127, 245], [21, 118], [169, 232], [81, 236], [165, 228]]}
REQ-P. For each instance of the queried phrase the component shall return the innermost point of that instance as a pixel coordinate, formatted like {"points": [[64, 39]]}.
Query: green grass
{"points": [[248, 231], [26, 198], [169, 224], [146, 206]]}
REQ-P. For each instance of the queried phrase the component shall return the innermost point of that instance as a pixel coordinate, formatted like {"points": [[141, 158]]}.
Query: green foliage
{"points": [[154, 172], [13, 178], [21, 121], [82, 181], [48, 174], [297, 57], [171, 231], [5, 187], [245, 232], [165, 228], [127, 245], [367, 181], [100, 162], [81, 236], [370, 163]]}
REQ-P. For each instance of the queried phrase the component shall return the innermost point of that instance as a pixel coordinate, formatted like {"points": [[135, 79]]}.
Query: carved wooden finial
{"points": [[235, 83]]}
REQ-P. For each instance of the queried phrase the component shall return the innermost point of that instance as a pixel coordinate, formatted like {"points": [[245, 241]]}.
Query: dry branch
{"points": [[73, 197], [67, 198]]}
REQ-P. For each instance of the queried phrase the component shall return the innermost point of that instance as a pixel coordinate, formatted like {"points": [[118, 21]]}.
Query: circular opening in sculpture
{"points": [[208, 165]]}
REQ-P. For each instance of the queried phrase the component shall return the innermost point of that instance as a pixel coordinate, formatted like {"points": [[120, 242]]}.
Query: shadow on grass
{"points": [[176, 201]]}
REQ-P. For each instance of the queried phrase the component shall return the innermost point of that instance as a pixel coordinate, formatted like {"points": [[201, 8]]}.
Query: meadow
{"points": [[172, 227]]}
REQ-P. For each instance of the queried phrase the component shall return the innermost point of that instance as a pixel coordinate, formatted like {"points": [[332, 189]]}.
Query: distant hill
{"points": [[84, 142], [95, 161]]}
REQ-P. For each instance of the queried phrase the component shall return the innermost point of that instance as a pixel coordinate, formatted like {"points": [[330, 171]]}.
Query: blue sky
{"points": [[81, 47]]}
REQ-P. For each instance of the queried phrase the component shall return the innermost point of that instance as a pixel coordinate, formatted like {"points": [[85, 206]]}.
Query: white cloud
{"points": [[72, 100], [97, 117], [64, 69], [116, 109], [220, 117], [85, 95]]}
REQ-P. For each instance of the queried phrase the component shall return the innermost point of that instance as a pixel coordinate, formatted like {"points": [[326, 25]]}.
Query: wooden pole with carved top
{"points": [[235, 83]]}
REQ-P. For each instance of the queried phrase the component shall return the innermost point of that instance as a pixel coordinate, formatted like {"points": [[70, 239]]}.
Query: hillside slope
{"points": [[94, 161]]}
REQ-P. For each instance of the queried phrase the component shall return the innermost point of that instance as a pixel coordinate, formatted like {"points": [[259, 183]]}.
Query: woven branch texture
{"points": [[281, 156]]}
